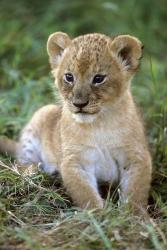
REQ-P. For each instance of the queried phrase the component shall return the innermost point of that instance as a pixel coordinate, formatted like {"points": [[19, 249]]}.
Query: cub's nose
{"points": [[80, 104]]}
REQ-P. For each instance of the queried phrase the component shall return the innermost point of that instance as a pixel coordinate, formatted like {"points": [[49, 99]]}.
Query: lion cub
{"points": [[96, 135]]}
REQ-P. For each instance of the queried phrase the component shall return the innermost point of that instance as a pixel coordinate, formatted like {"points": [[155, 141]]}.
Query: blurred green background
{"points": [[25, 81]]}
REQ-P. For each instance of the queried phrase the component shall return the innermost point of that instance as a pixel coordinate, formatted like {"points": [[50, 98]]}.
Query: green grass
{"points": [[35, 212]]}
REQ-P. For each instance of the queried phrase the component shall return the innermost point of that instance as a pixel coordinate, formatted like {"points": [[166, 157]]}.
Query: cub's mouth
{"points": [[88, 110], [84, 112]]}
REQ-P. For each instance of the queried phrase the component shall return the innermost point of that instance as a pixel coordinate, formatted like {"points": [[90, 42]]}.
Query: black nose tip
{"points": [[80, 104]]}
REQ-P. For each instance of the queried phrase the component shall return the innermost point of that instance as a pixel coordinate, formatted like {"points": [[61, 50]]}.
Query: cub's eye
{"points": [[68, 77], [98, 79]]}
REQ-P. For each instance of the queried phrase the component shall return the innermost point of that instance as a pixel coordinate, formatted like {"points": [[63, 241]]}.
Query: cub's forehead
{"points": [[88, 50], [91, 41]]}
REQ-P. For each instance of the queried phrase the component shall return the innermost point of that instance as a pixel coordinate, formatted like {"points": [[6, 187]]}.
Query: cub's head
{"points": [[92, 71]]}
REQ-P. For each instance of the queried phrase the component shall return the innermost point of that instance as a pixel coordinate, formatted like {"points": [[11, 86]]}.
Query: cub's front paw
{"points": [[92, 204]]}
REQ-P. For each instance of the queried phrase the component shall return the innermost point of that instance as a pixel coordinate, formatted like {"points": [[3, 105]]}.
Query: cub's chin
{"points": [[84, 117]]}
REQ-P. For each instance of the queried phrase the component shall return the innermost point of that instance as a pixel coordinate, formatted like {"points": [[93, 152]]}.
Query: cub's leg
{"points": [[81, 185], [29, 147], [30, 151], [135, 181], [33, 145]]}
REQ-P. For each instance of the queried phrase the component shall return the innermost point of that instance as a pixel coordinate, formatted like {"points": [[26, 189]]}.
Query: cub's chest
{"points": [[101, 163], [103, 154]]}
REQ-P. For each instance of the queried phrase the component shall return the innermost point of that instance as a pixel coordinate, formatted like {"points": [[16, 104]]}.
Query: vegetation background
{"points": [[35, 212]]}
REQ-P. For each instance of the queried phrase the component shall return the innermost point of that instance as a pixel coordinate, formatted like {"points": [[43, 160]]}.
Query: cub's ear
{"points": [[128, 49], [57, 43]]}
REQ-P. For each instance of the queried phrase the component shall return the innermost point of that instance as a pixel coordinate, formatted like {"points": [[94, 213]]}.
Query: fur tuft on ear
{"points": [[56, 44], [128, 50]]}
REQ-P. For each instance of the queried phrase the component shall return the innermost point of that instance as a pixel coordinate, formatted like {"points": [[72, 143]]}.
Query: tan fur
{"points": [[105, 141], [8, 146]]}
